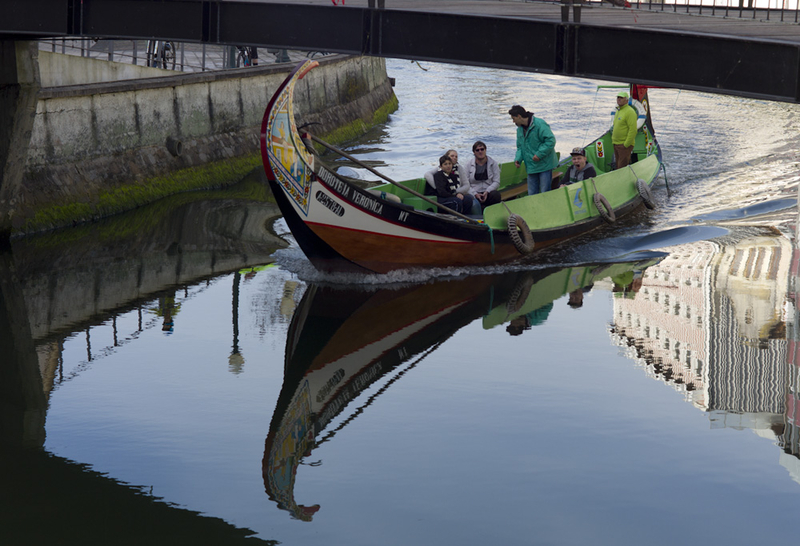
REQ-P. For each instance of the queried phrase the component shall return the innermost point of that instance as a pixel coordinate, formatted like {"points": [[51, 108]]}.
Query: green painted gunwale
{"points": [[575, 203], [560, 207]]}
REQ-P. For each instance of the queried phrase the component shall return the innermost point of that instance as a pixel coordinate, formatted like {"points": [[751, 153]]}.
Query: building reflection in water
{"points": [[718, 322]]}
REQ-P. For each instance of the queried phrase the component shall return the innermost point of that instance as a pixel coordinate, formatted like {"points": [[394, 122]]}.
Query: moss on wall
{"points": [[358, 127], [149, 217], [126, 197]]}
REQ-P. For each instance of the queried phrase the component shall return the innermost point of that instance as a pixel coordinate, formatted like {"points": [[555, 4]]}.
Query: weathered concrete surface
{"points": [[100, 149], [19, 86], [83, 70]]}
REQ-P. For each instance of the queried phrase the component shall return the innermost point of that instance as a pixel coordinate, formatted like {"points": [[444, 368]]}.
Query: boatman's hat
{"points": [[578, 151], [623, 94]]}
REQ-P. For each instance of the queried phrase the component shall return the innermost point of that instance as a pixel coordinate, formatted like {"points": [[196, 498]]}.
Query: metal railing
{"points": [[761, 10], [764, 10], [179, 56]]}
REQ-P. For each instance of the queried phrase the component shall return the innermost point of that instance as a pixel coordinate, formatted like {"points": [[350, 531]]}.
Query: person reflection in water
{"points": [[166, 309], [627, 284], [518, 325], [528, 320], [576, 297]]}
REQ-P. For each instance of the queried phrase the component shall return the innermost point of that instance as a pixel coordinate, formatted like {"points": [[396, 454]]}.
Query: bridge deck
{"points": [[605, 14], [740, 56]]}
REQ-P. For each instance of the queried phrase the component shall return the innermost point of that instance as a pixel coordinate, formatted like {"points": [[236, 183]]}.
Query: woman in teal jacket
{"points": [[536, 146]]}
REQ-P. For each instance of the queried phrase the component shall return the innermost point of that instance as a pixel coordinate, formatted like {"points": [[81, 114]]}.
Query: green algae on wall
{"points": [[358, 127], [127, 197], [148, 217]]}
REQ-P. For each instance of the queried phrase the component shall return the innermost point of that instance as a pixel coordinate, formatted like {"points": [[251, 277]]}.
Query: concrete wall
{"points": [[103, 148], [57, 70]]}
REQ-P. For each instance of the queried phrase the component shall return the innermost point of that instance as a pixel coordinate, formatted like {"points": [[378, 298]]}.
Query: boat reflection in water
{"points": [[344, 341]]}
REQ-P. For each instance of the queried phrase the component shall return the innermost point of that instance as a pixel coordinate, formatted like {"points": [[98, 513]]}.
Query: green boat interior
{"points": [[513, 180]]}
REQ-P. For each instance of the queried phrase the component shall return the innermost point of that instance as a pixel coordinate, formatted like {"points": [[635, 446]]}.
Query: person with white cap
{"points": [[623, 133], [580, 169]]}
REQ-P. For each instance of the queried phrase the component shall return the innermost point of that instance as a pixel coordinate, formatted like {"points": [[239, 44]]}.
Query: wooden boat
{"points": [[341, 226], [344, 341]]}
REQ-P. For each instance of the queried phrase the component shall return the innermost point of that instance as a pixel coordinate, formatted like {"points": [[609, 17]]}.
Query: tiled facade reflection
{"points": [[717, 322]]}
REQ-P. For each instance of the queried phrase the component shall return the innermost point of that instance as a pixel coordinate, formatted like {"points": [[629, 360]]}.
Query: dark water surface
{"points": [[177, 376]]}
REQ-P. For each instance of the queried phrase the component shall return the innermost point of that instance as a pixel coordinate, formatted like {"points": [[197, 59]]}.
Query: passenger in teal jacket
{"points": [[536, 147]]}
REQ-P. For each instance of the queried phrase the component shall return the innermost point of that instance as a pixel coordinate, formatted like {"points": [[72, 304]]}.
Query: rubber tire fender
{"points": [[604, 208], [519, 295], [520, 234], [645, 194]]}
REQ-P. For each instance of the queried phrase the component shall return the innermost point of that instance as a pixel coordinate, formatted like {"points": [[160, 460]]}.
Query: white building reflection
{"points": [[718, 322]]}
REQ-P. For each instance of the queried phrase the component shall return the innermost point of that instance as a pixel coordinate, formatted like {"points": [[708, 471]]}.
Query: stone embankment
{"points": [[103, 148]]}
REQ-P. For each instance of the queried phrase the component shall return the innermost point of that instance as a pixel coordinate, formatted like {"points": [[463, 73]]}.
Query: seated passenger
{"points": [[457, 168], [483, 174], [449, 188], [580, 169]]}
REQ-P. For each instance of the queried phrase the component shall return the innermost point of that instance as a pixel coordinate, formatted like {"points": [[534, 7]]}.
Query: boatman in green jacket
{"points": [[623, 133], [536, 146]]}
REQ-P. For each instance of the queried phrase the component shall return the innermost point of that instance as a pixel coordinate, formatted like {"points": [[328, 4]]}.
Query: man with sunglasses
{"points": [[483, 174]]}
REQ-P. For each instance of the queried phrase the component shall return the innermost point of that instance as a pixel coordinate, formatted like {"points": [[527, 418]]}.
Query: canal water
{"points": [[190, 379]]}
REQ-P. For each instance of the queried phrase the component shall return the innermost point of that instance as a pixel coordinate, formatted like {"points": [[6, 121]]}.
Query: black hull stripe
{"points": [[320, 253]]}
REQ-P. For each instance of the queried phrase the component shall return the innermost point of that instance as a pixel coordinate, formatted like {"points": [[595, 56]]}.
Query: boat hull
{"points": [[391, 239]]}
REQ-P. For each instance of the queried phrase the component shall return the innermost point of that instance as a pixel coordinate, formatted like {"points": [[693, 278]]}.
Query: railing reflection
{"points": [[96, 288]]}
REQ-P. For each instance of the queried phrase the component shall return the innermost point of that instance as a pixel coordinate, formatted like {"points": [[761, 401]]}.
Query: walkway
{"points": [[597, 13]]}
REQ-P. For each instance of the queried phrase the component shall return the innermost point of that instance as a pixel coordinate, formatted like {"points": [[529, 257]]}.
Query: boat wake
{"points": [[617, 249], [759, 209], [594, 251], [590, 251], [294, 261]]}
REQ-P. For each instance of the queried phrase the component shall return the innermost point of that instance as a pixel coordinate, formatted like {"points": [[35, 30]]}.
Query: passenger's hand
{"points": [[536, 158], [517, 164], [460, 196]]}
